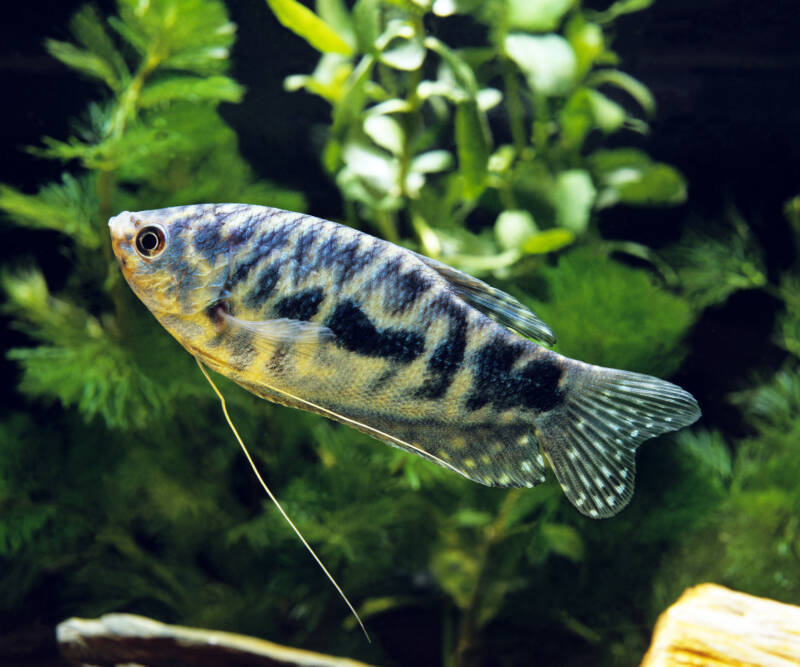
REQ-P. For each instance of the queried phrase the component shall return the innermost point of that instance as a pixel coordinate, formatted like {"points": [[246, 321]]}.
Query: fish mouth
{"points": [[122, 228]]}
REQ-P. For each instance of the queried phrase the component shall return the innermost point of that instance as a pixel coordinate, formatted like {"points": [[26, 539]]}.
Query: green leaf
{"points": [[501, 160], [607, 161], [537, 15], [191, 89], [574, 198], [450, 7], [462, 72], [445, 7], [564, 540], [408, 56], [193, 35], [335, 14], [659, 184], [354, 96], [472, 517], [587, 41], [367, 24], [432, 161], [129, 33], [407, 52], [548, 241], [84, 61], [329, 79], [374, 168], [89, 29], [513, 228], [473, 149], [386, 132], [636, 89], [70, 207], [576, 118], [548, 61], [488, 98], [441, 88], [98, 58], [622, 7], [631, 177], [394, 105], [306, 24], [609, 116]]}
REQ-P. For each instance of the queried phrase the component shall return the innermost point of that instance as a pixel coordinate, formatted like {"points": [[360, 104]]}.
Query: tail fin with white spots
{"points": [[591, 438]]}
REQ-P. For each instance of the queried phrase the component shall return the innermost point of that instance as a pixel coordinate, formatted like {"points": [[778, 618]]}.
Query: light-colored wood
{"points": [[712, 626], [116, 639]]}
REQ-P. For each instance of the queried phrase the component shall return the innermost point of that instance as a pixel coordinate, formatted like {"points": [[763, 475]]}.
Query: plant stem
{"points": [[541, 123], [387, 226], [516, 113], [129, 98], [494, 533]]}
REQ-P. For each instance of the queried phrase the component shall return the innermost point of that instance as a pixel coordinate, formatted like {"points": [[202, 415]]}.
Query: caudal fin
{"points": [[590, 440]]}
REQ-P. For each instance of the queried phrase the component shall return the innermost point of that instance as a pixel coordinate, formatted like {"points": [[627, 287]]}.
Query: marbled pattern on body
{"points": [[315, 315]]}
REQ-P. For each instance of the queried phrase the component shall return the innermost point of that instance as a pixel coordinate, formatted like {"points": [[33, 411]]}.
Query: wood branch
{"points": [[116, 639], [716, 627]]}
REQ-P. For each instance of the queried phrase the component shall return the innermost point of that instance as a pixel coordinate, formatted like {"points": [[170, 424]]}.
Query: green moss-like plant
{"points": [[606, 313]]}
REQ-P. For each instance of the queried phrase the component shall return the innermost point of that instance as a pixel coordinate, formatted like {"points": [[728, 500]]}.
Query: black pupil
{"points": [[149, 241]]}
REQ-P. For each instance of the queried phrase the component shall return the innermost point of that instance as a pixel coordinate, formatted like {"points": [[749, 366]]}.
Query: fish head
{"points": [[170, 259]]}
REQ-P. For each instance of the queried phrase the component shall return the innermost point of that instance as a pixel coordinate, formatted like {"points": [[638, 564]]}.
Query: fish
{"points": [[315, 315]]}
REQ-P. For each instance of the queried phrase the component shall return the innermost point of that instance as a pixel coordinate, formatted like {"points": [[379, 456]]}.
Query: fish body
{"points": [[315, 315]]}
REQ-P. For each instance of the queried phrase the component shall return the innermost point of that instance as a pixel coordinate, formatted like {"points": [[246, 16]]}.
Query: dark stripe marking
{"points": [[301, 249], [355, 332], [536, 386], [271, 240], [245, 229], [350, 259], [265, 284], [448, 356], [539, 385], [301, 306], [207, 239], [403, 289]]}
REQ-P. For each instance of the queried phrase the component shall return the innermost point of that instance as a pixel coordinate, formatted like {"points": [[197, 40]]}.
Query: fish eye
{"points": [[150, 241]]}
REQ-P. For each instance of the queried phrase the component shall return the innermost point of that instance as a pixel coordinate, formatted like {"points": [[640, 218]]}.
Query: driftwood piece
{"points": [[713, 626], [116, 639]]}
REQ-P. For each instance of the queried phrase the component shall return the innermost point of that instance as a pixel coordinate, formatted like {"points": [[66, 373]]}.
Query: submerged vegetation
{"points": [[120, 486]]}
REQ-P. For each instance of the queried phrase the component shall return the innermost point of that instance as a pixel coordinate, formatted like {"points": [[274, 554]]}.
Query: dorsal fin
{"points": [[493, 302]]}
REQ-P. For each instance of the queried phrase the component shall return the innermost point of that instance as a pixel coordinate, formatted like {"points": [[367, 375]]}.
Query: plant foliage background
{"points": [[507, 138]]}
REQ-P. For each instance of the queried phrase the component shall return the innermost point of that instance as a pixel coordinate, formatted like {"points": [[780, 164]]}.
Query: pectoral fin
{"points": [[303, 336], [493, 302]]}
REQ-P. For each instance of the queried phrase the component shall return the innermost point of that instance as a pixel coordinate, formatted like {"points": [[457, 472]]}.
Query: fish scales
{"points": [[311, 314]]}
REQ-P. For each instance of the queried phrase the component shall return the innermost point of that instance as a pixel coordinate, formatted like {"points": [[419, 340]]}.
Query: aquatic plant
{"points": [[153, 137], [751, 541], [505, 127], [120, 488]]}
